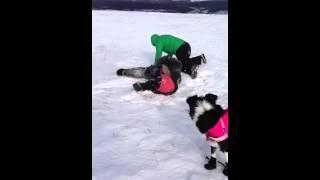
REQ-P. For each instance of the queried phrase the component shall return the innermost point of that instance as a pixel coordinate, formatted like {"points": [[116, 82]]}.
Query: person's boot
{"points": [[120, 72], [203, 59], [194, 71]]}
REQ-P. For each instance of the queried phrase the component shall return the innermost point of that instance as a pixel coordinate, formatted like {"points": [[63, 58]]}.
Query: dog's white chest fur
{"points": [[202, 107]]}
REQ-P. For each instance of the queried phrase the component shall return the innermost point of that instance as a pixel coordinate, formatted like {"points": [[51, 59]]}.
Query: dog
{"points": [[212, 120]]}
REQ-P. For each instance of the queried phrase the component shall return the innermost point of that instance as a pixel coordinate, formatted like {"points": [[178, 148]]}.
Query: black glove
{"points": [[149, 85], [137, 86]]}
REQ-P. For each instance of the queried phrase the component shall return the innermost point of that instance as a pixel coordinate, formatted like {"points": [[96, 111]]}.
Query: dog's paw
{"points": [[212, 164], [225, 170]]}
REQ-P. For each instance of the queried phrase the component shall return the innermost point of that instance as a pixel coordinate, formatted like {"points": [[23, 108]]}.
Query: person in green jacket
{"points": [[181, 49]]}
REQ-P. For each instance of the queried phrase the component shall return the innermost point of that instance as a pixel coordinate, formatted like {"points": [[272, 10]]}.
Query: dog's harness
{"points": [[219, 132]]}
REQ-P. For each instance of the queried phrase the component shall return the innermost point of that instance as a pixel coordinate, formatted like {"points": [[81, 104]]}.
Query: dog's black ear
{"points": [[211, 98], [219, 110], [192, 99]]}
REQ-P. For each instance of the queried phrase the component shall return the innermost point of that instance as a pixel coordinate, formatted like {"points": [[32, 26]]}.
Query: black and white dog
{"points": [[212, 120]]}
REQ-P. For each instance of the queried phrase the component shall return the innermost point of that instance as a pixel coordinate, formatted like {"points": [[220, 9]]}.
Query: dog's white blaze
{"points": [[207, 106], [202, 107], [213, 154]]}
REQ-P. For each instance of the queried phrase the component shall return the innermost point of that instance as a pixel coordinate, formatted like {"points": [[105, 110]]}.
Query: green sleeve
{"points": [[159, 49]]}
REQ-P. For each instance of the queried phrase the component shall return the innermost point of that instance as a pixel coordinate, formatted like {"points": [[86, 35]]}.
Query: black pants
{"points": [[183, 54], [150, 72]]}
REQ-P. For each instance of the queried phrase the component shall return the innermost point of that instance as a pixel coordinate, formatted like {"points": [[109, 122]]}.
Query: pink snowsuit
{"points": [[219, 132], [166, 85]]}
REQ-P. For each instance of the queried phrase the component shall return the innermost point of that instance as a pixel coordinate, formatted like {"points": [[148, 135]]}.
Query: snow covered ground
{"points": [[143, 136]]}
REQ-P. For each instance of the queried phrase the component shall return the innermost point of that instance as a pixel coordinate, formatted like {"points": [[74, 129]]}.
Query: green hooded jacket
{"points": [[165, 43]]}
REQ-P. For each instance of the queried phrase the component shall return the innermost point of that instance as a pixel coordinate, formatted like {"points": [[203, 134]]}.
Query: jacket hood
{"points": [[155, 39]]}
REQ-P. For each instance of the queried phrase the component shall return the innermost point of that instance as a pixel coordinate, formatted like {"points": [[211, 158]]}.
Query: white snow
{"points": [[144, 136]]}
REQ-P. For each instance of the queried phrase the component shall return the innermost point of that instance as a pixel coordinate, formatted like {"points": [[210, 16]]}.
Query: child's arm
{"points": [[149, 85]]}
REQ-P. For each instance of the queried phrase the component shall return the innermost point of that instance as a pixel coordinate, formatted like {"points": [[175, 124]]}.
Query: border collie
{"points": [[211, 120]]}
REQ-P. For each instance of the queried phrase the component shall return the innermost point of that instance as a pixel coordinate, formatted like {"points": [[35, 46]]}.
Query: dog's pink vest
{"points": [[219, 132]]}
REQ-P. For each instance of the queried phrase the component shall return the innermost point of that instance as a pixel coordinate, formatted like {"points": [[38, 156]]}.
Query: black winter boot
{"points": [[194, 71], [120, 72], [203, 59]]}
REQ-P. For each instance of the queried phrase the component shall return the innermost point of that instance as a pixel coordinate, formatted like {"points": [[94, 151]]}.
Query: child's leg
{"points": [[195, 60], [137, 72], [150, 72], [190, 66]]}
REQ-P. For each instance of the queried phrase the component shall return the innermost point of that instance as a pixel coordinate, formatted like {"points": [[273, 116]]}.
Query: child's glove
{"points": [[137, 86], [149, 85]]}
